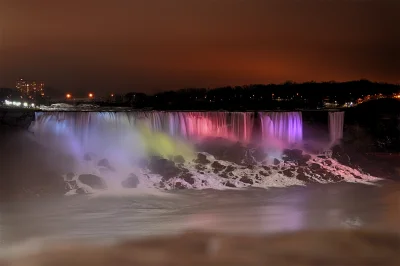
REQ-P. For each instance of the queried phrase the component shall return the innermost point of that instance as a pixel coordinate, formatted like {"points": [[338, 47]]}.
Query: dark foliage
{"points": [[309, 95]]}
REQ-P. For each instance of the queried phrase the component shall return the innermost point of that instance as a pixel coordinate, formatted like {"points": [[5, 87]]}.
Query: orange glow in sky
{"points": [[158, 45]]}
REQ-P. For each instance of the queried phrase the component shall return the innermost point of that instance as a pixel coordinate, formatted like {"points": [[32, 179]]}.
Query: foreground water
{"points": [[116, 216]]}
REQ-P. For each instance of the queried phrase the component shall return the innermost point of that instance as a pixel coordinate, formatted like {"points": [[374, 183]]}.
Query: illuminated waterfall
{"points": [[336, 122]]}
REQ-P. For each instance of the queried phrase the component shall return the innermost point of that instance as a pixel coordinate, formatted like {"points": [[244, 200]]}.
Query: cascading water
{"points": [[115, 146], [282, 126], [78, 131], [193, 125], [238, 126], [336, 122]]}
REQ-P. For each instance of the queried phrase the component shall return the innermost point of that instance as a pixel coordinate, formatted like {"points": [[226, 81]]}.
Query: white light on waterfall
{"points": [[25, 104]]}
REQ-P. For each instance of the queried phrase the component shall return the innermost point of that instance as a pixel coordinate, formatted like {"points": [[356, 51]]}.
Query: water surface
{"points": [[112, 217]]}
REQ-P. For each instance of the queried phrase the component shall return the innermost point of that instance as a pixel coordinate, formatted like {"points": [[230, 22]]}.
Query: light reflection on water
{"points": [[240, 211]]}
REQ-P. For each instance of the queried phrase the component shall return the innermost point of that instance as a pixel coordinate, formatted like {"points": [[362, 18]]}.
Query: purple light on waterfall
{"points": [[282, 126]]}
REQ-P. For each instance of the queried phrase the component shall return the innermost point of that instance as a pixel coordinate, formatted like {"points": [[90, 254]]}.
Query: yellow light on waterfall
{"points": [[158, 143]]}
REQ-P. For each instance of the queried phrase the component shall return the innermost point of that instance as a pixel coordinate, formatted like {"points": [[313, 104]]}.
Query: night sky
{"points": [[154, 45]]}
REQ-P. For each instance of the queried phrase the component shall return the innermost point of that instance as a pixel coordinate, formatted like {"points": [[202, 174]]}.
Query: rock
{"points": [[230, 184], [166, 168], [301, 176], [306, 157], [247, 180], [263, 173], [215, 147], [92, 181], [296, 156], [188, 177], [315, 167], [236, 154], [179, 185], [276, 161], [225, 175], [131, 182], [229, 169], [179, 159], [292, 155], [288, 173], [106, 164], [200, 168], [202, 159], [217, 166], [333, 178]]}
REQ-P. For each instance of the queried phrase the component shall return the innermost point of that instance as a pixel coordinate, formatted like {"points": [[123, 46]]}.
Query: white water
{"points": [[115, 137], [336, 122], [286, 126]]}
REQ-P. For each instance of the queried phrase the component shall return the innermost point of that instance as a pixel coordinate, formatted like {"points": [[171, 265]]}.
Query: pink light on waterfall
{"points": [[202, 125]]}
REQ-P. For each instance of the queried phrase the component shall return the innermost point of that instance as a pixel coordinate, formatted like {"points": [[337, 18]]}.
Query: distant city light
{"points": [[33, 105], [90, 95], [7, 102], [25, 104], [68, 96], [112, 94]]}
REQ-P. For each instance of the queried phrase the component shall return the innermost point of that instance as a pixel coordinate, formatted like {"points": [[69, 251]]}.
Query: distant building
{"points": [[30, 89]]}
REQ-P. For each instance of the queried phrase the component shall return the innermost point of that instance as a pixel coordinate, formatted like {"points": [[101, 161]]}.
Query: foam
{"points": [[205, 176]]}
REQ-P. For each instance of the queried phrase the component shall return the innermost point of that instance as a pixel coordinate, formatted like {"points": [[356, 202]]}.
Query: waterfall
{"points": [[76, 133], [282, 126], [80, 130], [336, 122]]}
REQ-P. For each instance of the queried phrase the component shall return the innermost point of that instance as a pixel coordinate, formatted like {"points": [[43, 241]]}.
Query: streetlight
{"points": [[90, 95], [68, 96]]}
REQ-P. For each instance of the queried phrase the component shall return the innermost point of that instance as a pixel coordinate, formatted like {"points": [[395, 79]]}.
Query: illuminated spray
{"points": [[158, 143]]}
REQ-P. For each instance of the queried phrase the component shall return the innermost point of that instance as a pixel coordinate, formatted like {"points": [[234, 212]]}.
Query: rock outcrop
{"points": [[92, 181]]}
